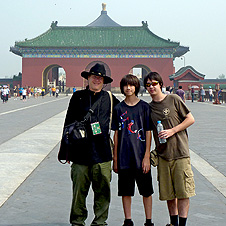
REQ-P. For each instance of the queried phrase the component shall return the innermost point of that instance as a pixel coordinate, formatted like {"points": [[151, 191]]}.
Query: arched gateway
{"points": [[76, 49]]}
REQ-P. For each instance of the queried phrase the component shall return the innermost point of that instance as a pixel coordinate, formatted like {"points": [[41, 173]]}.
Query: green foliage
{"points": [[222, 76]]}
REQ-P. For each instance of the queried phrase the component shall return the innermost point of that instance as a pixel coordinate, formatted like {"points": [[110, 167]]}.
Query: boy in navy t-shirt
{"points": [[131, 157]]}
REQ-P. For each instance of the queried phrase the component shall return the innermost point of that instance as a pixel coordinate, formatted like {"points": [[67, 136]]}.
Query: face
{"points": [[95, 83], [129, 90], [153, 87]]}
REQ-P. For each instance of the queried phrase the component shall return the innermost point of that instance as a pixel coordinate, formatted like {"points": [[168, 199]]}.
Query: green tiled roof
{"points": [[97, 37], [182, 70]]}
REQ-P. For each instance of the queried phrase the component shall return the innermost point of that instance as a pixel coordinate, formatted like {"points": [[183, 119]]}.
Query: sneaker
{"points": [[148, 224], [126, 223]]}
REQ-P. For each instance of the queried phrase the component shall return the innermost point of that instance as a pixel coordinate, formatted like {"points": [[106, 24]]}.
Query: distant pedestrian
{"points": [[53, 91], [167, 90], [24, 94], [180, 92], [1, 90], [192, 94], [43, 92], [57, 92], [50, 91], [35, 92], [28, 92], [4, 92], [219, 94], [15, 91], [39, 91], [20, 93], [171, 89], [202, 93], [210, 93], [7, 93], [164, 89], [32, 91]]}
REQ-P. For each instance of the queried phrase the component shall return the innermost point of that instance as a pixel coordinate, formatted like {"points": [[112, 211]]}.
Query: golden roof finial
{"points": [[104, 7]]}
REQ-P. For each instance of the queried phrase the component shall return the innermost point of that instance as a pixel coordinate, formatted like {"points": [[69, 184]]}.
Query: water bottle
{"points": [[159, 129]]}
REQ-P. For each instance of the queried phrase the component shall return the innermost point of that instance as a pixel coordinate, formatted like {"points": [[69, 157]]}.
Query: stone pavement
{"points": [[43, 196]]}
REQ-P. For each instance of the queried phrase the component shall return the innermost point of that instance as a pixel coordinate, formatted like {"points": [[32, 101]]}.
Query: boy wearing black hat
{"points": [[91, 161]]}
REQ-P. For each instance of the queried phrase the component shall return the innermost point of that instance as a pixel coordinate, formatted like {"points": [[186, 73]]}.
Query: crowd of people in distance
{"points": [[24, 93]]}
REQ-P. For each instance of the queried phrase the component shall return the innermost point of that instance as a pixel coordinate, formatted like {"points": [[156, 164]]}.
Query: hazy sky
{"points": [[199, 24]]}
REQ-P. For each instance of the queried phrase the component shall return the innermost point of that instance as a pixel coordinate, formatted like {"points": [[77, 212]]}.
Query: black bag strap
{"points": [[91, 110]]}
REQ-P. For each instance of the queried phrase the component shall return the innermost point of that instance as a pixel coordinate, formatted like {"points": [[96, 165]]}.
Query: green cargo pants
{"points": [[99, 176]]}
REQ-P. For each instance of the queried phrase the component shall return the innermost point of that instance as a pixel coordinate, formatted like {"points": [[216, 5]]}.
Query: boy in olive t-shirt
{"points": [[175, 176]]}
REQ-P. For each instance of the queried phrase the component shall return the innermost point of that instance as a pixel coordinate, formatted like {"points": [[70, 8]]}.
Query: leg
{"points": [[148, 206], [173, 211], [172, 207], [126, 202], [126, 188], [81, 184], [101, 177], [183, 207], [184, 187]]}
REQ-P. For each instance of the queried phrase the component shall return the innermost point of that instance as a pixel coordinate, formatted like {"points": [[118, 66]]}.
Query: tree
{"points": [[222, 76]]}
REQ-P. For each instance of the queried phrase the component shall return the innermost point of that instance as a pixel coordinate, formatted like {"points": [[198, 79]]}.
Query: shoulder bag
{"points": [[74, 135]]}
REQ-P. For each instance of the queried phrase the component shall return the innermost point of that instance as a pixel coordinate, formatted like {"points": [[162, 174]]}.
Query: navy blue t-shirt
{"points": [[132, 122]]}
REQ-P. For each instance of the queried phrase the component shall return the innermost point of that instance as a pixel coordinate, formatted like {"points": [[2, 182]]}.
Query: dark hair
{"points": [[153, 76], [180, 87], [130, 80]]}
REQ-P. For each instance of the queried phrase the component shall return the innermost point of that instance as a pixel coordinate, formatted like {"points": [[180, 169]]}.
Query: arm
{"points": [[188, 121], [115, 152], [146, 160]]}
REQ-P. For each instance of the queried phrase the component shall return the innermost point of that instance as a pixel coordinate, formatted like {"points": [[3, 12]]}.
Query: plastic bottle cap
{"points": [[158, 122]]}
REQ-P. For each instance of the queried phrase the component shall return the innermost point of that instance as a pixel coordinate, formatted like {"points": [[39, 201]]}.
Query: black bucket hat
{"points": [[99, 70]]}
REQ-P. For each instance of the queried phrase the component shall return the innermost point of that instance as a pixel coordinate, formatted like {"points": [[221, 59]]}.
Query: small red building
{"points": [[187, 77], [78, 48]]}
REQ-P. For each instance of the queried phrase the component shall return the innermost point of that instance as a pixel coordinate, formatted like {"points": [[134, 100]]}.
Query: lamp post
{"points": [[183, 59]]}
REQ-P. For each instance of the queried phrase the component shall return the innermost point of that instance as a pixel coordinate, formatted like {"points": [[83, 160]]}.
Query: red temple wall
{"points": [[32, 68]]}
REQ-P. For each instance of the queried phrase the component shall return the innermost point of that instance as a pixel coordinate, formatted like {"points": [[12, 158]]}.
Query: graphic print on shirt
{"points": [[166, 112], [130, 127], [139, 132], [123, 120]]}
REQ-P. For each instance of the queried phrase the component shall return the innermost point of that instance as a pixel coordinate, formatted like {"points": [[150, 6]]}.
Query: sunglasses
{"points": [[152, 84]]}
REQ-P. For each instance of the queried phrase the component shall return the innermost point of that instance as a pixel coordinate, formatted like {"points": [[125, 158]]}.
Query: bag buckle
{"points": [[91, 111]]}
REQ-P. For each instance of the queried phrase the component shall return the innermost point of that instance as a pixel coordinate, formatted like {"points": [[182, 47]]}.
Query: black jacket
{"points": [[97, 148]]}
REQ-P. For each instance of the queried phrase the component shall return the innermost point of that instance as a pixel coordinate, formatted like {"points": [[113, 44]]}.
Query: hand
{"points": [[115, 166], [146, 165], [166, 133]]}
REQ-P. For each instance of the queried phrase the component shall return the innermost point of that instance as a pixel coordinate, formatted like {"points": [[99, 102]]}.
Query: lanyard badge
{"points": [[96, 128]]}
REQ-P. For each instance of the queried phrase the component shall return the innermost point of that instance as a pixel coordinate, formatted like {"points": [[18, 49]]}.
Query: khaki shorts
{"points": [[175, 179]]}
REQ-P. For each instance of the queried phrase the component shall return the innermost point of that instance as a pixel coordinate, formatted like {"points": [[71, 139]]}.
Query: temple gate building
{"points": [[187, 77], [78, 48]]}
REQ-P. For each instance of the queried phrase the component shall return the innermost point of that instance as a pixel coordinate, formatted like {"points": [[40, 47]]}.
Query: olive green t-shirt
{"points": [[171, 111]]}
